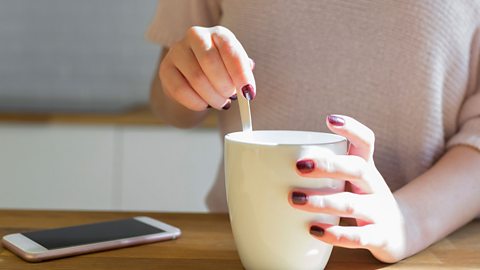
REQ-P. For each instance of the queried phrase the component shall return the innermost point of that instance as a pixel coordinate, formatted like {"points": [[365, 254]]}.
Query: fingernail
{"points": [[234, 97], [317, 231], [299, 198], [227, 106], [252, 64], [336, 120], [306, 165], [248, 92]]}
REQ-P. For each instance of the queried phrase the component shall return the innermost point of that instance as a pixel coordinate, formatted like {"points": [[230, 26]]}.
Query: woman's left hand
{"points": [[380, 224]]}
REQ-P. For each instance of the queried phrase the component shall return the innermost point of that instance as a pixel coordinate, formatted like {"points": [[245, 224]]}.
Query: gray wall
{"points": [[75, 55]]}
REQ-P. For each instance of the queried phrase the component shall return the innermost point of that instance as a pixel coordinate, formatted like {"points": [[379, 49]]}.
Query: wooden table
{"points": [[207, 243]]}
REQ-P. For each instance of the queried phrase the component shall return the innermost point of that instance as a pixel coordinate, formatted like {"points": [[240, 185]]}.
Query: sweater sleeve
{"points": [[469, 122], [173, 17], [469, 115]]}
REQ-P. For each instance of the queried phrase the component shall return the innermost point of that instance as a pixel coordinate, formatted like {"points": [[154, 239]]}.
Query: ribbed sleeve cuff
{"points": [[469, 135]]}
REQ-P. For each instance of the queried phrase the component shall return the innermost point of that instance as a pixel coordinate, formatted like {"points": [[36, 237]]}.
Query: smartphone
{"points": [[49, 244]]}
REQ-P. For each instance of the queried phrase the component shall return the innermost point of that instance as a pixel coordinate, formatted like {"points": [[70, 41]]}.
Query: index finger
{"points": [[236, 61]]}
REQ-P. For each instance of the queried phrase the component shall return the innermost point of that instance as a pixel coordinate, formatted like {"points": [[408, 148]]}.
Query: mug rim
{"points": [[240, 137]]}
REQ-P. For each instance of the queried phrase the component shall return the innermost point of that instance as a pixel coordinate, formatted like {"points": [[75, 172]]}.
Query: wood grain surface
{"points": [[207, 243]]}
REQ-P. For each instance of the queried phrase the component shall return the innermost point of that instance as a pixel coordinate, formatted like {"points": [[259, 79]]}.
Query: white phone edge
{"points": [[31, 251]]}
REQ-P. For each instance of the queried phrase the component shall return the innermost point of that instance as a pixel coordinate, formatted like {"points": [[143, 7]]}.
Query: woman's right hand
{"points": [[205, 68]]}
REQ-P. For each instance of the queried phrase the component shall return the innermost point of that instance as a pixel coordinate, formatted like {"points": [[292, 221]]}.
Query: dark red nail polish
{"points": [[227, 106], [317, 231], [306, 165], [299, 198], [248, 92], [234, 97], [336, 120]]}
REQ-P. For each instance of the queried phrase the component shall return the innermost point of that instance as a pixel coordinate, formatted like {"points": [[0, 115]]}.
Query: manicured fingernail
{"points": [[306, 165], [234, 97], [227, 105], [336, 120], [252, 64], [248, 92], [317, 231], [299, 198]]}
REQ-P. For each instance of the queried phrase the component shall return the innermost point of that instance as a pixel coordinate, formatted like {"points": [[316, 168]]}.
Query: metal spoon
{"points": [[245, 113]]}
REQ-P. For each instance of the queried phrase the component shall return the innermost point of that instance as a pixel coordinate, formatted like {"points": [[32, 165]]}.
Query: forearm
{"points": [[168, 109], [442, 199]]}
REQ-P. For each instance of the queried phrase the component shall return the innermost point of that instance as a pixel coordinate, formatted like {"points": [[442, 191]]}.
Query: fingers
{"points": [[343, 167], [214, 65], [185, 61], [236, 60], [361, 137], [348, 237], [210, 61], [176, 87], [343, 204]]}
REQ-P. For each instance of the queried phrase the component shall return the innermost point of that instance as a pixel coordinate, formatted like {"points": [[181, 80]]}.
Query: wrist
{"points": [[413, 236]]}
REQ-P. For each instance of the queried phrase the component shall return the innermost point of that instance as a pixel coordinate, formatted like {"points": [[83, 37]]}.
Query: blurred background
{"points": [[75, 129]]}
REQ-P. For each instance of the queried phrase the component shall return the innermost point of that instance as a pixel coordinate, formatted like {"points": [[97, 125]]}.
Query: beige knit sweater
{"points": [[407, 69]]}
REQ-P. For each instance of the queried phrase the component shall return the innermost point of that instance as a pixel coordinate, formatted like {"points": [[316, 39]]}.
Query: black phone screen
{"points": [[91, 233]]}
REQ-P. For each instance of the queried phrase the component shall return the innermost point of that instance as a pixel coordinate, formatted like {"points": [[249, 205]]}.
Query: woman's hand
{"points": [[205, 68], [380, 224]]}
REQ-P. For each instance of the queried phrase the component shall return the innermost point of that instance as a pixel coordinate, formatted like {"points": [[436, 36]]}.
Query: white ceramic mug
{"points": [[260, 172]]}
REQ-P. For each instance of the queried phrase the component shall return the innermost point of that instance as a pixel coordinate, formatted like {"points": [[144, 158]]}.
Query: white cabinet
{"points": [[106, 167], [168, 169], [43, 166]]}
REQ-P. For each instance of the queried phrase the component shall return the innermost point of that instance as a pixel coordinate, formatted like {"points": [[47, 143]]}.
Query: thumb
{"points": [[362, 138]]}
